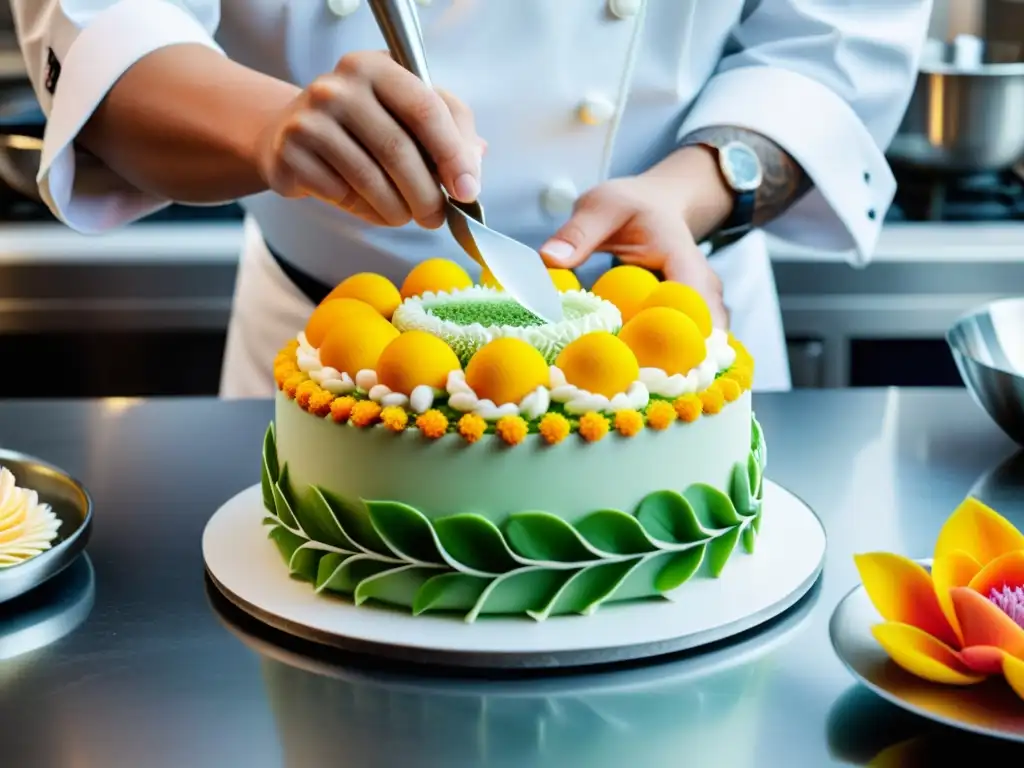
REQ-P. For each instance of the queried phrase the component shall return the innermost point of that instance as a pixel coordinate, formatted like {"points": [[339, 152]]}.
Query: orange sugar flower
{"points": [[365, 413], [554, 428], [711, 400], [593, 426], [628, 422], [660, 414], [432, 424], [320, 402], [512, 429], [341, 408], [471, 427], [688, 407], [394, 418], [963, 621]]}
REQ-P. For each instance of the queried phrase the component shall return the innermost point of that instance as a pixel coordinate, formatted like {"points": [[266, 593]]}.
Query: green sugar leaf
{"points": [[398, 586], [544, 537], [405, 530], [282, 506], [501, 312], [713, 508], [754, 476], [740, 490], [318, 519], [757, 522], [587, 589], [286, 541], [305, 560], [667, 516], [678, 568], [449, 592], [719, 550], [354, 521], [522, 591], [269, 471], [349, 572], [614, 532], [749, 538], [474, 542]]}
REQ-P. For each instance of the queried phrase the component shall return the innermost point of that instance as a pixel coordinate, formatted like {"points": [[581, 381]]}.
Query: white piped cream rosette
{"points": [[27, 526]]}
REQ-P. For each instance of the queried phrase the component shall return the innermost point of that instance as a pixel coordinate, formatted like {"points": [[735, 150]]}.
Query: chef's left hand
{"points": [[653, 220]]}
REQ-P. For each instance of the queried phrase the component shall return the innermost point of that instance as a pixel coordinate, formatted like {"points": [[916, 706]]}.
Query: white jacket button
{"points": [[624, 9], [559, 197], [596, 109], [342, 7]]}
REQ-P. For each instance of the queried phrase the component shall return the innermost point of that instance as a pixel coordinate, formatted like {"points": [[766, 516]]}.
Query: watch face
{"points": [[742, 166]]}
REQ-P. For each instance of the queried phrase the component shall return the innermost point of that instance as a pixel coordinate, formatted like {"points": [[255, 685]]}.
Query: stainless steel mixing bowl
{"points": [[988, 347]]}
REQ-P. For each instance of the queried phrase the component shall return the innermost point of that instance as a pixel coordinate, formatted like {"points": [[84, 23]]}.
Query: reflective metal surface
{"points": [[153, 678], [964, 114], [518, 269], [69, 501], [988, 348]]}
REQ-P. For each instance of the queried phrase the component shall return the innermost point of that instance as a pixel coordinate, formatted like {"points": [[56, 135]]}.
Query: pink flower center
{"points": [[1011, 602]]}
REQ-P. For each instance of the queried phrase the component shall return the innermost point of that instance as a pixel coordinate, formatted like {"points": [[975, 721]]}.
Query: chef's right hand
{"points": [[350, 139]]}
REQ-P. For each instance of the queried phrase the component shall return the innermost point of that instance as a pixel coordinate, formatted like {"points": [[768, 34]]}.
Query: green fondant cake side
{"points": [[529, 562]]}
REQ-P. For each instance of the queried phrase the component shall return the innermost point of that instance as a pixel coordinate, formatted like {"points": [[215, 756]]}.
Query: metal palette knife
{"points": [[517, 267]]}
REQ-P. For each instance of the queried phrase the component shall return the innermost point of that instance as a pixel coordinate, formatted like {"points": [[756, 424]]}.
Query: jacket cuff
{"points": [[81, 191], [853, 184]]}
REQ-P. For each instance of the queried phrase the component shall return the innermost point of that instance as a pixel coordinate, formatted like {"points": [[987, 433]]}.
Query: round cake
{"points": [[436, 447]]}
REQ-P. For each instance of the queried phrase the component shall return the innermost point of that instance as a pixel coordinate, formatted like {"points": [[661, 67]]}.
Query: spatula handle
{"points": [[400, 27]]}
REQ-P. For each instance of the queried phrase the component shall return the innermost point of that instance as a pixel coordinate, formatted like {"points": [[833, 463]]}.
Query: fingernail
{"points": [[558, 250], [467, 188]]}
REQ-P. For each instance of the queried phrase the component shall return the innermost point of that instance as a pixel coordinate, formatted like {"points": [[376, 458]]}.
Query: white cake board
{"points": [[246, 566]]}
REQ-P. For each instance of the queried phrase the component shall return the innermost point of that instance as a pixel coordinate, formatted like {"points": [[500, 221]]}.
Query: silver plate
{"points": [[70, 502], [989, 708]]}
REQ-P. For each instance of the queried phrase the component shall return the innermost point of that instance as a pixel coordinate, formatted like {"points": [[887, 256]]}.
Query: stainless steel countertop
{"points": [[154, 678]]}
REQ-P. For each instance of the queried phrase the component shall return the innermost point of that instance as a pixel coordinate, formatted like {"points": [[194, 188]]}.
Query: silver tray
{"points": [[70, 502]]}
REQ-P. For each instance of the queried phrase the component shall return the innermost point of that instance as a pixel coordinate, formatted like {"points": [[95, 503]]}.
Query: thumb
{"points": [[592, 223]]}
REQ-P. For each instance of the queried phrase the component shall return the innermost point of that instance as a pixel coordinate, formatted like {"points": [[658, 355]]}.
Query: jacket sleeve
{"points": [[75, 50], [829, 82]]}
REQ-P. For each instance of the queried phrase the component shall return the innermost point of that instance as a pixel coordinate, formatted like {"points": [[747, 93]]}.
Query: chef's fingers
{"points": [[595, 219], [427, 117], [306, 174], [464, 119], [318, 129]]}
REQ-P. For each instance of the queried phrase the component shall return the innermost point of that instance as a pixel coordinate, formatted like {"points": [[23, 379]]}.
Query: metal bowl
{"points": [[69, 501], [988, 347]]}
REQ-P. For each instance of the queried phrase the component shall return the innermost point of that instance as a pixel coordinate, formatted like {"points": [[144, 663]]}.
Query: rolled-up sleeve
{"points": [[75, 51], [829, 82]]}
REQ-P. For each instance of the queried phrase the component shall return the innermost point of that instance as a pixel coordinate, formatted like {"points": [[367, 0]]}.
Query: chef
{"points": [[667, 133]]}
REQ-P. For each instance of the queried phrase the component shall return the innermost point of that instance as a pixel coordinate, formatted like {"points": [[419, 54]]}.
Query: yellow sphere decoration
{"points": [[626, 287], [435, 275], [356, 347], [415, 358], [599, 362], [564, 279], [683, 298], [665, 338], [506, 370], [375, 290], [334, 312]]}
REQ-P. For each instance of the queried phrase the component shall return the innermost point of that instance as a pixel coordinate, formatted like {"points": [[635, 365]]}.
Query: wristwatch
{"points": [[741, 170]]}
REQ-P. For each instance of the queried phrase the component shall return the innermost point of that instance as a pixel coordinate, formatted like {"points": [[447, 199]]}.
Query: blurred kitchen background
{"points": [[144, 311]]}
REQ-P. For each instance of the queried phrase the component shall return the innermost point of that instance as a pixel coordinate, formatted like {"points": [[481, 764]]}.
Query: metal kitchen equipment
{"points": [[988, 347], [69, 501], [518, 268], [21, 146], [967, 110]]}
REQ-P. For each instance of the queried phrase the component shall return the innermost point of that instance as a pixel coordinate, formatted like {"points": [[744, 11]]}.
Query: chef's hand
{"points": [[653, 220], [350, 139]]}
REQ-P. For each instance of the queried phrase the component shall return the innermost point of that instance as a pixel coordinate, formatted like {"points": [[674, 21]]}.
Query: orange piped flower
{"points": [[365, 413], [304, 391], [341, 408], [471, 427], [711, 400], [628, 423], [688, 407], [320, 403], [394, 418], [433, 424], [730, 390], [554, 428], [964, 621], [512, 429], [593, 426], [291, 384], [660, 414]]}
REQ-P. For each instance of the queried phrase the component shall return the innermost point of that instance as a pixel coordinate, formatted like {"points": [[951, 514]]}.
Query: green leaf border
{"points": [[536, 564]]}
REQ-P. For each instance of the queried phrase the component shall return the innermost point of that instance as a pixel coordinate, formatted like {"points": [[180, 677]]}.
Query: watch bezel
{"points": [[729, 173]]}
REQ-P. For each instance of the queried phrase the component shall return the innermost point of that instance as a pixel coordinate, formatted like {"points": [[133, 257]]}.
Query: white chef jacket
{"points": [[567, 93]]}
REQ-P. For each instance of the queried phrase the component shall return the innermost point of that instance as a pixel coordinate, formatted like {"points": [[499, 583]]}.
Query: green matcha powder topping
{"points": [[487, 313]]}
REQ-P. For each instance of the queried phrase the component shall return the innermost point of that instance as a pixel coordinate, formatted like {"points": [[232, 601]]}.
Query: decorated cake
{"points": [[28, 527], [437, 448]]}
